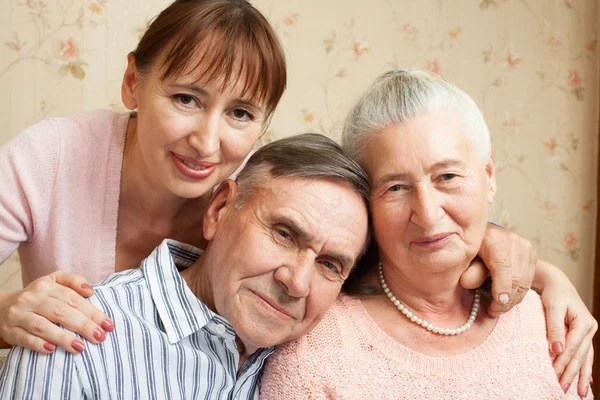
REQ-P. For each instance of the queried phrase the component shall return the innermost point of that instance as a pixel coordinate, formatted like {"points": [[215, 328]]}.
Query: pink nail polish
{"points": [[99, 335], [585, 392], [107, 326], [86, 286], [557, 348], [78, 345], [49, 346], [566, 387]]}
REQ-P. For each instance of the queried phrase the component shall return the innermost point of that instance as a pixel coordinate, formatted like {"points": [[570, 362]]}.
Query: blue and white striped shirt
{"points": [[167, 344]]}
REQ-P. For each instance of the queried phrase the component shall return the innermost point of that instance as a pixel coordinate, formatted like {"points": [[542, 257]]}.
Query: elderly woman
{"points": [[405, 328]]}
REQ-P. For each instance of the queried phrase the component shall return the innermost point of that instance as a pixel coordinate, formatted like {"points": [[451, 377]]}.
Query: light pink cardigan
{"points": [[347, 356], [59, 195]]}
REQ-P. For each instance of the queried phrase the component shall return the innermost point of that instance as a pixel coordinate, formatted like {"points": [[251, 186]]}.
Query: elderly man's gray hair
{"points": [[309, 156], [398, 96]]}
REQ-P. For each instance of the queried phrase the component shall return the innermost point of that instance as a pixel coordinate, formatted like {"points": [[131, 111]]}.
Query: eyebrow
{"points": [[346, 261], [204, 92], [402, 176]]}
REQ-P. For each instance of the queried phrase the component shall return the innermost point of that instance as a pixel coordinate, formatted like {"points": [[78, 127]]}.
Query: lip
{"points": [[281, 311], [192, 173], [433, 241]]}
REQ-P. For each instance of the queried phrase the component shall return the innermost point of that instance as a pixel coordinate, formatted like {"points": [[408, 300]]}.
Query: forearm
{"points": [[545, 274]]}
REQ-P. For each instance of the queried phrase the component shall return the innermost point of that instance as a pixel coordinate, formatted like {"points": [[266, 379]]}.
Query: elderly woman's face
{"points": [[430, 192]]}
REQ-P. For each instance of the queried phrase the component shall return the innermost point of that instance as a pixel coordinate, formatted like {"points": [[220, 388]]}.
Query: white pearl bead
{"points": [[427, 325]]}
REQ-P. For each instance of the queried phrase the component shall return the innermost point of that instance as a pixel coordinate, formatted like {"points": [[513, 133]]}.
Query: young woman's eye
{"points": [[186, 99], [242, 115]]}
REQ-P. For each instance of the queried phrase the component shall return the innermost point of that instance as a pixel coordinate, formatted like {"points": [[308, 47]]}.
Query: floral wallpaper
{"points": [[532, 66]]}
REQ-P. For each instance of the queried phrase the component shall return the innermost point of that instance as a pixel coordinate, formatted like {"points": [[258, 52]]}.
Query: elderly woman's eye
{"points": [[395, 188], [447, 177]]}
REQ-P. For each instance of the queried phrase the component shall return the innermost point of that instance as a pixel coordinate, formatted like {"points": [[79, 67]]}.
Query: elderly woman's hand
{"points": [[563, 308], [27, 316], [511, 262]]}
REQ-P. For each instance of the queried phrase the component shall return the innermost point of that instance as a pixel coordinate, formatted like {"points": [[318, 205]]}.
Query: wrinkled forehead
{"points": [[320, 211], [430, 139]]}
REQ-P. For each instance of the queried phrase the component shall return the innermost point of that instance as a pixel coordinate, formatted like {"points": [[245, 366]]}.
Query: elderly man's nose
{"points": [[295, 278], [427, 208]]}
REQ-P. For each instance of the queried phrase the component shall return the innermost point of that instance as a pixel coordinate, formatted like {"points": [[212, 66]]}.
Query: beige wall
{"points": [[532, 65]]}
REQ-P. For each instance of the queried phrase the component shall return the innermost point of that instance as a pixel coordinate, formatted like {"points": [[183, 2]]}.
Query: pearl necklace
{"points": [[427, 325]]}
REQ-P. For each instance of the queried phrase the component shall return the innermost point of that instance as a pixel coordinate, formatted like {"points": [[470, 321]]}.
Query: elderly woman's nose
{"points": [[426, 207], [206, 136]]}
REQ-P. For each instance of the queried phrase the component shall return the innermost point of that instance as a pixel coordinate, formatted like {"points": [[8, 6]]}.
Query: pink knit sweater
{"points": [[347, 356], [59, 195]]}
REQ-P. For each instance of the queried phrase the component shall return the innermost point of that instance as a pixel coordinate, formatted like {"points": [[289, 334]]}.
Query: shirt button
{"points": [[221, 329]]}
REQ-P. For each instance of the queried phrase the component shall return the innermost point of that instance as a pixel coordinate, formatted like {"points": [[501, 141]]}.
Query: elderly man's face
{"points": [[277, 264], [430, 192]]}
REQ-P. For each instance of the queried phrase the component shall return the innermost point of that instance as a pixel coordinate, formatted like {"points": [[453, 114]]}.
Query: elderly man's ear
{"points": [[490, 171], [222, 202]]}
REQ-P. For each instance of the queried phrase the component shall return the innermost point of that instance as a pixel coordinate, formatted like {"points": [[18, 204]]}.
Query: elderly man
{"points": [[196, 324]]}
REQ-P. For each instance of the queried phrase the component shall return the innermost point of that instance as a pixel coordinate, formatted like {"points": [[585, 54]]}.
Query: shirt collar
{"points": [[180, 311]]}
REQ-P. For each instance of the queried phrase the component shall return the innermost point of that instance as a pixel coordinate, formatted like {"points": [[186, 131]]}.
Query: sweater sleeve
{"points": [[28, 166], [285, 377]]}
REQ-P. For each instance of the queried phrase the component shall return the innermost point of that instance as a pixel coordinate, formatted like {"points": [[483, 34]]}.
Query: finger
{"points": [[20, 337], [46, 330], [73, 281], [518, 291], [475, 275], [501, 284], [71, 318], [575, 364], [585, 375], [555, 317], [578, 340], [75, 301]]}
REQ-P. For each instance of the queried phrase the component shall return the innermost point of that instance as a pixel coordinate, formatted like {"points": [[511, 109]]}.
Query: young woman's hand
{"points": [[28, 317]]}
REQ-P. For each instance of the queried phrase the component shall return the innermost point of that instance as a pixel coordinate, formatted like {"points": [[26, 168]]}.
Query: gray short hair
{"points": [[306, 156], [398, 96]]}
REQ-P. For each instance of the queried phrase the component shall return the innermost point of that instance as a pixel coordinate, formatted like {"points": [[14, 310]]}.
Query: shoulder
{"points": [[52, 136], [328, 332], [530, 323]]}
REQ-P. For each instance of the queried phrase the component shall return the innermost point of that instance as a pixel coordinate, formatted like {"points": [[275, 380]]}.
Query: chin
{"points": [[188, 190]]}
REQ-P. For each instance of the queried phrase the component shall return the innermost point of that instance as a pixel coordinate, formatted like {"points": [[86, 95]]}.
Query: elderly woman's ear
{"points": [[490, 171]]}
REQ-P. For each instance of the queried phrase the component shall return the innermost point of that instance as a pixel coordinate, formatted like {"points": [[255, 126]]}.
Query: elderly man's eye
{"points": [[395, 188], [330, 266], [284, 234]]}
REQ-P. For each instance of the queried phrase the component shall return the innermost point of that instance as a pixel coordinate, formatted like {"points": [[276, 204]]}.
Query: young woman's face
{"points": [[192, 135]]}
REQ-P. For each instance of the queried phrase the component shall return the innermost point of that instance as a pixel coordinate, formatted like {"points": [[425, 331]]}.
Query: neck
{"points": [[432, 296]]}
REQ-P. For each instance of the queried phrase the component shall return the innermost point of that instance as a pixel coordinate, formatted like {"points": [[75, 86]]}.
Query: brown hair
{"points": [[232, 39]]}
